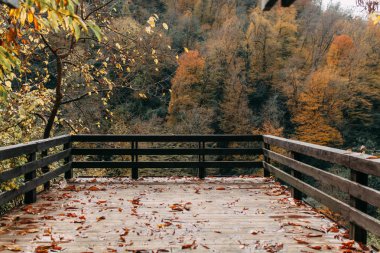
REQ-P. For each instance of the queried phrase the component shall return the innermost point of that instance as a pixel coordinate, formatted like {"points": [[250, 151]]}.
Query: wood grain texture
{"points": [[167, 214]]}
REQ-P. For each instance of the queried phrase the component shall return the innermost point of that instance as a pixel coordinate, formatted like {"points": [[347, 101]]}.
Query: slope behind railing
{"points": [[357, 186]]}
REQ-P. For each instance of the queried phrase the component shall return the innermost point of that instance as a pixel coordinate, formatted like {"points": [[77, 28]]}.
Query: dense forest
{"points": [[202, 66]]}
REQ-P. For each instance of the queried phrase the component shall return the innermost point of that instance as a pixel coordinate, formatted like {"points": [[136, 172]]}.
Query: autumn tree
{"points": [[319, 114], [188, 90], [340, 51]]}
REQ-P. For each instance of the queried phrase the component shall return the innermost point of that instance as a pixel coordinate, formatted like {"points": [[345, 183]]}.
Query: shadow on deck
{"points": [[244, 214]]}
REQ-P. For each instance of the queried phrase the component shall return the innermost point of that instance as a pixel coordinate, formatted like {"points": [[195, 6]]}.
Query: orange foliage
{"points": [[186, 84], [340, 50], [319, 110]]}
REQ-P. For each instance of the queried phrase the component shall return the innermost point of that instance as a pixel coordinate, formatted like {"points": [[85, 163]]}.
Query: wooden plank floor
{"points": [[169, 215]]}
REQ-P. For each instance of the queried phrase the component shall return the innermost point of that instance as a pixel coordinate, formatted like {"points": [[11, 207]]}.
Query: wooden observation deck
{"points": [[171, 214]]}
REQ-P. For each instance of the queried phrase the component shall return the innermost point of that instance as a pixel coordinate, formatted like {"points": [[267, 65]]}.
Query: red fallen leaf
{"points": [[54, 246], [294, 224], [93, 188], [189, 246], [111, 250], [126, 232], [346, 235], [42, 249], [67, 196], [162, 250], [101, 202], [333, 230], [100, 218], [373, 157], [348, 245], [220, 188], [315, 247], [70, 188], [165, 224], [300, 241], [72, 215], [313, 235], [48, 217], [120, 209], [176, 207], [82, 217]]}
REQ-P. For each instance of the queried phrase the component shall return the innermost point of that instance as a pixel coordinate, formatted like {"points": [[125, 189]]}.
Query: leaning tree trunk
{"points": [[57, 101], [54, 112]]}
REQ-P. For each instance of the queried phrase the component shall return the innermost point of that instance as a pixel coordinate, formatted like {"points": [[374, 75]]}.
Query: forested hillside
{"points": [[205, 66]]}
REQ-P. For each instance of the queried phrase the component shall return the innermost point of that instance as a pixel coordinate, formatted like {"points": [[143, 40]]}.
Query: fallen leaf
{"points": [[315, 247], [100, 218], [300, 241]]}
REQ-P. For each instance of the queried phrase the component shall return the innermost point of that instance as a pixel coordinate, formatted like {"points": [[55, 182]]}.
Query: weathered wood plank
{"points": [[353, 215], [357, 190], [243, 217]]}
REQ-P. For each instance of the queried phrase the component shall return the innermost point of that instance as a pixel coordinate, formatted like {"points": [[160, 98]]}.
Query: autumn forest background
{"points": [[203, 66]]}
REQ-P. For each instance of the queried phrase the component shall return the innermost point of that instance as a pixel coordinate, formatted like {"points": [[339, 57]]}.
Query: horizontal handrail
{"points": [[352, 160], [31, 147], [166, 138]]}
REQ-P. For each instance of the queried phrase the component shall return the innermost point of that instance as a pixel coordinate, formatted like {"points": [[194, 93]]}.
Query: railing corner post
{"points": [[266, 159], [31, 196], [68, 174], [358, 233]]}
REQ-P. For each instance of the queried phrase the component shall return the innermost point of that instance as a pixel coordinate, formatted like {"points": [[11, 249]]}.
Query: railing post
{"points": [[135, 170], [296, 194], [69, 173], [358, 233], [267, 160], [30, 196], [45, 170], [201, 158]]}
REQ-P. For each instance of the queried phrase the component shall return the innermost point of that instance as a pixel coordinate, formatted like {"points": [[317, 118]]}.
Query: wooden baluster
{"points": [[296, 194], [201, 169], [267, 160], [45, 170], [358, 233], [30, 196], [69, 173], [135, 170]]}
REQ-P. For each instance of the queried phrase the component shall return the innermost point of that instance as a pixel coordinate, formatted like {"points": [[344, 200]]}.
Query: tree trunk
{"points": [[57, 101]]}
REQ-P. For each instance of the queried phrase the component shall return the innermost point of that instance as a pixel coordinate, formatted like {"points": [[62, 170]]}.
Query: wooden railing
{"points": [[135, 152], [357, 186], [282, 158], [38, 156]]}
